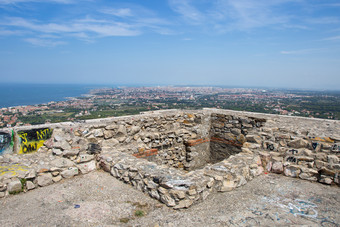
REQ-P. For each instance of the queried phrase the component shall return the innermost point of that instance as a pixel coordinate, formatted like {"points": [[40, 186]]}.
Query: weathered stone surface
{"points": [[108, 134], [30, 185], [184, 204], [227, 185], [254, 139], [62, 163], [298, 143], [14, 186], [135, 129], [98, 132], [57, 178], [167, 200], [70, 172], [85, 158], [277, 167], [44, 179], [292, 171], [68, 153], [87, 167]]}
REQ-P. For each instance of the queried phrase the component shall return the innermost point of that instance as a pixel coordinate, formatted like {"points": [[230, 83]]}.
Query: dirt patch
{"points": [[99, 199]]}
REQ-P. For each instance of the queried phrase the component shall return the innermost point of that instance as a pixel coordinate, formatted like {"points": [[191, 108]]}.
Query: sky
{"points": [[247, 43]]}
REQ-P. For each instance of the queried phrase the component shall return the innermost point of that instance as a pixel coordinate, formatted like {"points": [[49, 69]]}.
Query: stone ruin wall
{"points": [[177, 157]]}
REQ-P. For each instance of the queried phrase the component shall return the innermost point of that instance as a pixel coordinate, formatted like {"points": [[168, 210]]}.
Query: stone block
{"points": [[44, 179], [70, 172], [14, 186]]}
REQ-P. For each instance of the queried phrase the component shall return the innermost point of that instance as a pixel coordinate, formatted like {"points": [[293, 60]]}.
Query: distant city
{"points": [[110, 102]]}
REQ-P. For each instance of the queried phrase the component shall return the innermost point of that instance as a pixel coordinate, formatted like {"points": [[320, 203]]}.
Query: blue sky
{"points": [[262, 43]]}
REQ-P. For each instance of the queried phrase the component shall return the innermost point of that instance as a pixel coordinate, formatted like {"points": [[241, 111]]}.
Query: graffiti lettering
{"points": [[32, 140], [293, 151], [314, 145], [44, 134], [291, 159]]}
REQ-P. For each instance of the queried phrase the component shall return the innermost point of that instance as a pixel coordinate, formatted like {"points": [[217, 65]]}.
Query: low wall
{"points": [[177, 157]]}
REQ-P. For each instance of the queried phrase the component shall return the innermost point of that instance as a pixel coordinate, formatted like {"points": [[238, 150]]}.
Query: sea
{"points": [[14, 94]]}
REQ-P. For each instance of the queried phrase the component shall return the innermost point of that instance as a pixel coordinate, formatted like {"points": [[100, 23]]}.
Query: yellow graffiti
{"points": [[13, 169], [29, 144], [43, 134], [323, 139], [23, 136], [30, 147]]}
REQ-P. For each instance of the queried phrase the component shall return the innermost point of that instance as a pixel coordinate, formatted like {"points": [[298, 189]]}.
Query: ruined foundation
{"points": [[177, 157]]}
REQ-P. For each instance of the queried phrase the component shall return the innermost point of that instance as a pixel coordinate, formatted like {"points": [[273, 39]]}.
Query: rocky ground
{"points": [[98, 199]]}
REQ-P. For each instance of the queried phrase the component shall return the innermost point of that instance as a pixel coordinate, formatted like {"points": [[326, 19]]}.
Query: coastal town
{"points": [[109, 102]]}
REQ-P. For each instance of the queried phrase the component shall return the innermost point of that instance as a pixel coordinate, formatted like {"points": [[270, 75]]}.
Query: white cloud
{"points": [[7, 2], [303, 51], [333, 38], [226, 15], [44, 42], [99, 28], [187, 10], [122, 12]]}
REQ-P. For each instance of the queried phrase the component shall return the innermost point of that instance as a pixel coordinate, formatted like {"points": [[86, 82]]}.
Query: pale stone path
{"points": [[98, 199]]}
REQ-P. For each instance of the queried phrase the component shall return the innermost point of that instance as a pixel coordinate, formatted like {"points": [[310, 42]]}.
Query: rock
{"points": [[70, 172], [277, 167], [327, 172], [85, 158], [134, 130], [241, 138], [44, 179], [30, 185], [121, 131], [57, 152], [31, 174], [235, 131], [325, 180], [184, 204], [61, 163], [110, 143], [108, 134], [227, 185], [292, 171], [68, 153], [14, 186], [98, 133], [3, 187], [179, 194], [298, 143], [63, 145], [332, 159], [56, 178], [87, 167], [167, 200], [254, 139]]}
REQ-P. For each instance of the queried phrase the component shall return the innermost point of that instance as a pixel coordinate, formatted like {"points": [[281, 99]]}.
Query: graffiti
{"points": [[32, 140], [315, 145], [6, 142], [291, 159], [270, 147], [13, 170], [336, 147], [293, 151]]}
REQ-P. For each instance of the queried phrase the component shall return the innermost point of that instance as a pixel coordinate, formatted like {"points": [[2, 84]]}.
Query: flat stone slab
{"points": [[98, 199], [13, 170]]}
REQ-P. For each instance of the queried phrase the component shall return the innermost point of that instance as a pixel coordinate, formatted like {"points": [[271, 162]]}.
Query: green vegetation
{"points": [[139, 213]]}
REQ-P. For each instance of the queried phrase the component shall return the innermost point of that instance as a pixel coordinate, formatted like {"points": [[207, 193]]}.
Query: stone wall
{"points": [[177, 157]]}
